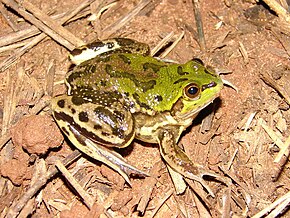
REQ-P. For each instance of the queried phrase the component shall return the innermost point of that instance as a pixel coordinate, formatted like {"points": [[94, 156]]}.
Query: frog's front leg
{"points": [[176, 158], [94, 127]]}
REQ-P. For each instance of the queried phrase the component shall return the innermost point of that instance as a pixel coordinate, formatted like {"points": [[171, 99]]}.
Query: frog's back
{"points": [[111, 71], [146, 81]]}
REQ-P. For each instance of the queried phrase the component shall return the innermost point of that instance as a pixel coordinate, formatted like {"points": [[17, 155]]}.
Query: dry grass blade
{"points": [[163, 42], [166, 52], [147, 188], [161, 202], [202, 210], [244, 52], [269, 81], [20, 35], [8, 61], [7, 18], [52, 24], [226, 209], [281, 12], [29, 17], [271, 133], [12, 95], [85, 196], [109, 30], [14, 210], [284, 150], [199, 25], [13, 46], [279, 201]]}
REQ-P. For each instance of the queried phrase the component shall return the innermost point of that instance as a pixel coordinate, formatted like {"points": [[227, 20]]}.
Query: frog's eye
{"points": [[191, 91]]}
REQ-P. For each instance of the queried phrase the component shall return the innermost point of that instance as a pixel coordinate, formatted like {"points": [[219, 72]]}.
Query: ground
{"points": [[243, 136]]}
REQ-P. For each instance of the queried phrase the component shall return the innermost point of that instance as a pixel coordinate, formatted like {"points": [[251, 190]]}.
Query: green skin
{"points": [[125, 94]]}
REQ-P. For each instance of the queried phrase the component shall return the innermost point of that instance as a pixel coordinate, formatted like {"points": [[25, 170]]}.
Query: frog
{"points": [[118, 92]]}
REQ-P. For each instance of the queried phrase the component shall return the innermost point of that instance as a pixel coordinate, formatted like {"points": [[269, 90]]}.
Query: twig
{"points": [[244, 52], [147, 187], [13, 46], [22, 10], [32, 30], [280, 11], [51, 24], [8, 61], [271, 133], [282, 157], [279, 201], [109, 30], [85, 196], [14, 210], [199, 25], [164, 54], [163, 42], [269, 81], [6, 16], [161, 202], [284, 150]]}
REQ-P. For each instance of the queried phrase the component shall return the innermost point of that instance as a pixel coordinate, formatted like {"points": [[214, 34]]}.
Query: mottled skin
{"points": [[124, 94]]}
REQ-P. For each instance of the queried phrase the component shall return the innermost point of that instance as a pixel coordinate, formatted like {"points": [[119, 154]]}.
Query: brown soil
{"points": [[247, 141]]}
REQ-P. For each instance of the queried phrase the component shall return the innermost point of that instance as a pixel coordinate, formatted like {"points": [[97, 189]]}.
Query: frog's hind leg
{"points": [[93, 126], [108, 157]]}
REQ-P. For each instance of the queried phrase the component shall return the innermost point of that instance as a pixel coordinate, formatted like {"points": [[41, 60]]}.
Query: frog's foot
{"points": [[179, 161], [104, 155], [113, 160]]}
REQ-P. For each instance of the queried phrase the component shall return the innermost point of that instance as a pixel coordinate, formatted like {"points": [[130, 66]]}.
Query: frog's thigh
{"points": [[110, 126]]}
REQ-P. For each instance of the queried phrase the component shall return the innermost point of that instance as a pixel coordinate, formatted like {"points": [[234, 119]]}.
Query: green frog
{"points": [[118, 92]]}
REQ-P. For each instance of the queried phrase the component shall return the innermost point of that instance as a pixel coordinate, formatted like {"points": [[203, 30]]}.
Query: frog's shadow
{"points": [[197, 121]]}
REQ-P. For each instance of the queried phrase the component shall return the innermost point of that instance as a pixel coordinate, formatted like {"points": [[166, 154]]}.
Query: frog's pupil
{"points": [[193, 90]]}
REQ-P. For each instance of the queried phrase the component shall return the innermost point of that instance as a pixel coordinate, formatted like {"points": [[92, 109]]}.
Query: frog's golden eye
{"points": [[192, 91]]}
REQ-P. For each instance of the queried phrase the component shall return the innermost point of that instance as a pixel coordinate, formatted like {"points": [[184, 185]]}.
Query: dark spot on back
{"points": [[92, 68], [103, 83], [77, 100], [154, 67], [158, 98], [110, 45], [137, 99], [180, 71], [73, 111], [180, 80], [125, 59], [109, 69], [74, 75], [95, 45], [61, 103], [77, 51], [83, 117], [96, 126]]}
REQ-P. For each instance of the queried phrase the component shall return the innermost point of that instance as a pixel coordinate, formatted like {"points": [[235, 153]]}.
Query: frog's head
{"points": [[201, 86]]}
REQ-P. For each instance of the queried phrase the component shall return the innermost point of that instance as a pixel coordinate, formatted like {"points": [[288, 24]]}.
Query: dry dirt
{"points": [[247, 142]]}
